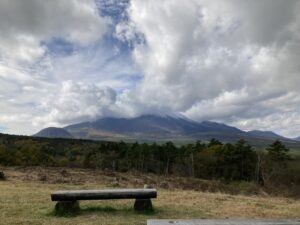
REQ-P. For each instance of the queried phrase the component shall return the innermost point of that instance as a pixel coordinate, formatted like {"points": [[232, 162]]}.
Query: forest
{"points": [[212, 160]]}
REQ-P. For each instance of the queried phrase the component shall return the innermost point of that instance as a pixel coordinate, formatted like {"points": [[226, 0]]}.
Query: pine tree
{"points": [[277, 151]]}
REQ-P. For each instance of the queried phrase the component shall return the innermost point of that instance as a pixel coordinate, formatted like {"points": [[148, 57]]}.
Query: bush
{"points": [[2, 176]]}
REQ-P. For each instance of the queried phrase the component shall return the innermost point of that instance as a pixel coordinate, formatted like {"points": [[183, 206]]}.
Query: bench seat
{"points": [[103, 194], [69, 199]]}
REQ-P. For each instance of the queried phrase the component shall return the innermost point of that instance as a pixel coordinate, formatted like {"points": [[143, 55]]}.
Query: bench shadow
{"points": [[109, 209], [102, 209]]}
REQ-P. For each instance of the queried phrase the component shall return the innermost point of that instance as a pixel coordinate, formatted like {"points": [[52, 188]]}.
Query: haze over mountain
{"points": [[297, 138], [162, 128]]}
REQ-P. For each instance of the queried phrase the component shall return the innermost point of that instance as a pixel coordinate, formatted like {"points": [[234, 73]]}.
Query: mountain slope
{"points": [[150, 127], [154, 125], [53, 132], [266, 134]]}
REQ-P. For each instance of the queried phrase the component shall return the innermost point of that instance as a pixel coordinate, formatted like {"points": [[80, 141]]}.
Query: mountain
{"points": [[164, 128], [266, 134], [53, 132], [150, 127]]}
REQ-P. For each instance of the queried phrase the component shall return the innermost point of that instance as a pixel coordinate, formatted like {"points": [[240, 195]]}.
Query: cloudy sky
{"points": [[68, 61]]}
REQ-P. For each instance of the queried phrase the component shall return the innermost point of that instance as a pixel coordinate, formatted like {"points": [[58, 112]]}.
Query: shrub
{"points": [[2, 176]]}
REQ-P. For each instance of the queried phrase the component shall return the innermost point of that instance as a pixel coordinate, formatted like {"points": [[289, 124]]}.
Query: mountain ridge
{"points": [[167, 128], [269, 134]]}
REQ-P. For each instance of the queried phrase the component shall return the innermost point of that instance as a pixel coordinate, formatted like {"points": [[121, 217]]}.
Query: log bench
{"points": [[223, 222], [69, 200]]}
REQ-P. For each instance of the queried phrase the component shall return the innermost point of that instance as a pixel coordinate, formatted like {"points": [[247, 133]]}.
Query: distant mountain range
{"points": [[160, 129]]}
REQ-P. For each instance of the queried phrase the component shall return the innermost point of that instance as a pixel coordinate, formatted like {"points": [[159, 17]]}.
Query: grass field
{"points": [[25, 199]]}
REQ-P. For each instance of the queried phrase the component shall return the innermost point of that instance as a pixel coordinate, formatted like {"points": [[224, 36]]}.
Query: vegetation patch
{"points": [[2, 175]]}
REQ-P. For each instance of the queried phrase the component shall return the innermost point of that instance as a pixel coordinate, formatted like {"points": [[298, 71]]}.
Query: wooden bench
{"points": [[69, 200], [223, 222]]}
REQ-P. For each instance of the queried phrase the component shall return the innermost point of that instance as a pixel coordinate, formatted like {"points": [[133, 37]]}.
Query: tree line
{"points": [[212, 160]]}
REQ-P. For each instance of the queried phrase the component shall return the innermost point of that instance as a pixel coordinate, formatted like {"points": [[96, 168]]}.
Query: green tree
{"points": [[274, 167], [277, 151], [169, 154], [3, 159], [214, 142]]}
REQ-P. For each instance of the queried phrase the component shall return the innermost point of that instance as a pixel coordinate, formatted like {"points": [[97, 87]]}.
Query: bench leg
{"points": [[67, 206], [143, 204]]}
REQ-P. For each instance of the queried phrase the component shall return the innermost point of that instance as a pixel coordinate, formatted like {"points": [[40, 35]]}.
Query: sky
{"points": [[69, 61]]}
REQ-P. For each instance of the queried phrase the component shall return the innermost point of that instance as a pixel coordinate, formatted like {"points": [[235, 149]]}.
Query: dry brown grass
{"points": [[25, 199], [132, 179]]}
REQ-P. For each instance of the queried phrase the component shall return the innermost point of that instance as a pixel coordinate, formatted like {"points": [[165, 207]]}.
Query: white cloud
{"points": [[231, 61], [95, 64], [225, 61], [25, 24], [28, 67], [76, 102]]}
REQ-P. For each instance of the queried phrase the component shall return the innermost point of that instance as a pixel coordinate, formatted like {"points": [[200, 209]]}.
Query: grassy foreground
{"points": [[27, 201]]}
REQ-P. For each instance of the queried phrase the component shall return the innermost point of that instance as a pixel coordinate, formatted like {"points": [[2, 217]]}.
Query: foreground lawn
{"points": [[24, 202]]}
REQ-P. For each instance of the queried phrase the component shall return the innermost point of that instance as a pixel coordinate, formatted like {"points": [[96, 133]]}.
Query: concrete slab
{"points": [[223, 222]]}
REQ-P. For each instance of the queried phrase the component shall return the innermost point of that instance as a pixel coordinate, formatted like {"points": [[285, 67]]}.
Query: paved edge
{"points": [[224, 222]]}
